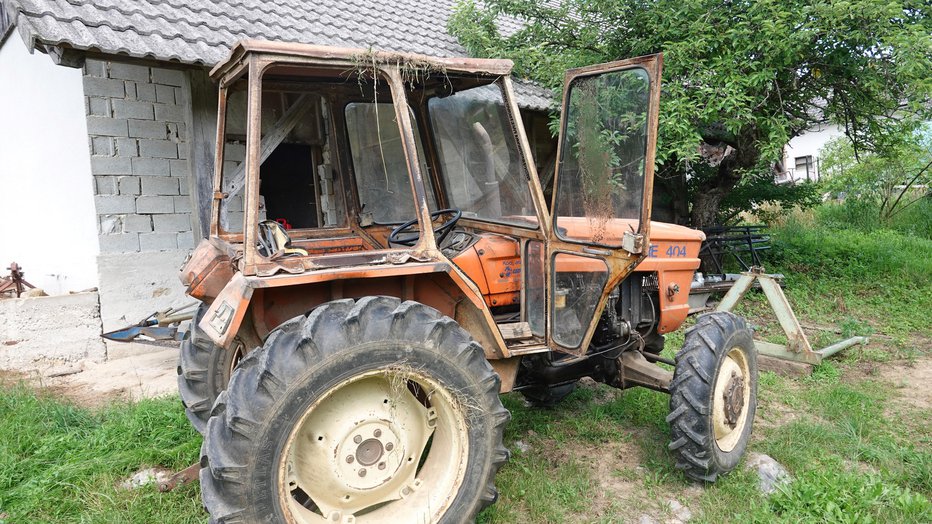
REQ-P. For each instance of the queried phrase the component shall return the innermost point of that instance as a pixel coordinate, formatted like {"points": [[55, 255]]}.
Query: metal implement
{"points": [[797, 348], [15, 283], [161, 325]]}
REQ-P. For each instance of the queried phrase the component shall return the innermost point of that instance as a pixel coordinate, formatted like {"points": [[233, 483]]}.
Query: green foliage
{"points": [[748, 73], [758, 189], [61, 463], [830, 497], [892, 179], [914, 221]]}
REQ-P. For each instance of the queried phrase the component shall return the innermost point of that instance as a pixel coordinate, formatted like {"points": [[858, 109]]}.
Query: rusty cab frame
{"points": [[250, 294]]}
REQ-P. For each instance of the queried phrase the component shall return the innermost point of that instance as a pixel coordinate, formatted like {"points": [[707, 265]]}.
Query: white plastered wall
{"points": [[48, 224]]}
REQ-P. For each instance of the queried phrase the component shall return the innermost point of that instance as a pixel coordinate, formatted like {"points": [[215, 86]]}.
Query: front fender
{"points": [[222, 320]]}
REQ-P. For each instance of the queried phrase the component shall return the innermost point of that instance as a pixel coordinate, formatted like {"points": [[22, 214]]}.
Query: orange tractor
{"points": [[385, 259]]}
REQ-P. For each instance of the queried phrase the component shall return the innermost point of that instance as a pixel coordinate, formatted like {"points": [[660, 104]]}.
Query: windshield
{"points": [[602, 168], [482, 172], [379, 162]]}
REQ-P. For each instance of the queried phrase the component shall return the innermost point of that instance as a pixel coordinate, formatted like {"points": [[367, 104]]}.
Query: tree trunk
{"points": [[712, 191]]}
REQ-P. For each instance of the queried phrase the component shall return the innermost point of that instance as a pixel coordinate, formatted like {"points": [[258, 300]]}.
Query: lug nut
{"points": [[389, 446], [362, 472], [349, 459], [377, 433], [381, 465], [357, 439]]}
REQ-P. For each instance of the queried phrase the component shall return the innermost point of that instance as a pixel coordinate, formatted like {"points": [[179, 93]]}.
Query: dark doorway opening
{"points": [[289, 186]]}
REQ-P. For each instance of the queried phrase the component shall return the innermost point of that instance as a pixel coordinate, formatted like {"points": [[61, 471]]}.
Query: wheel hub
{"points": [[734, 399], [369, 455]]}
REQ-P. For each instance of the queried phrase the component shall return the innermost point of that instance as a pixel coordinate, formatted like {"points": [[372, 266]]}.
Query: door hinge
{"points": [[632, 242]]}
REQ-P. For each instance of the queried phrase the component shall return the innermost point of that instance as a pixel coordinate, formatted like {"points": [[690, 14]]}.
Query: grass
{"points": [[858, 449], [61, 463]]}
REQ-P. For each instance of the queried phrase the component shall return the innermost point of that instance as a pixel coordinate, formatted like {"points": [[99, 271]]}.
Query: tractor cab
{"points": [[331, 159]]}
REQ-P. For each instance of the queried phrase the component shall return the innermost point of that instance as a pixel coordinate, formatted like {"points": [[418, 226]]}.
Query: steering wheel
{"points": [[402, 237]]}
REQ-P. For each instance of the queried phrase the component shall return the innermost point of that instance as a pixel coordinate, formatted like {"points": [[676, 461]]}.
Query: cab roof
{"points": [[310, 54]]}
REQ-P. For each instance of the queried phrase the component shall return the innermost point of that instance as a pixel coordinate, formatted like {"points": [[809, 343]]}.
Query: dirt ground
{"points": [[151, 372]]}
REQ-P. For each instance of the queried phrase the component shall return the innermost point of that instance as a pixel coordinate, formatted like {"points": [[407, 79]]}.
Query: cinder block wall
{"points": [[136, 129], [137, 135]]}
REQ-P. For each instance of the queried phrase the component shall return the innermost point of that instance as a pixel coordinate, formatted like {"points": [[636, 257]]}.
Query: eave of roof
{"points": [[201, 32]]}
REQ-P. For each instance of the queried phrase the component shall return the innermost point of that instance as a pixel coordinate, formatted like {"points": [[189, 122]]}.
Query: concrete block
{"points": [[133, 285], [129, 185], [111, 165], [146, 92], [106, 185], [110, 224], [182, 203], [179, 168], [186, 240], [123, 243], [234, 152], [169, 112], [105, 87], [183, 151], [129, 72], [101, 146], [137, 223], [164, 94], [183, 187], [150, 167], [136, 109], [180, 97], [155, 205], [158, 148], [175, 222], [171, 77], [98, 106], [130, 88], [39, 332], [113, 204], [158, 241], [147, 129], [96, 68], [159, 185], [105, 126], [127, 147]]}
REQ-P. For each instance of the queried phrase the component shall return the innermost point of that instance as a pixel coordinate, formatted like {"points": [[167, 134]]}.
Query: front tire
{"points": [[373, 410], [204, 370], [713, 396]]}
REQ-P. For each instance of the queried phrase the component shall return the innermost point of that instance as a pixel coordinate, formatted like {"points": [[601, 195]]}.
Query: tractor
{"points": [[385, 258]]}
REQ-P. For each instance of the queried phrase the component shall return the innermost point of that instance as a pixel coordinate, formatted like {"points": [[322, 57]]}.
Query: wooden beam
{"points": [[201, 128]]}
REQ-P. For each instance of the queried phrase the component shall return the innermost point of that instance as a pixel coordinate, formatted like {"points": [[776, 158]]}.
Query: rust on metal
{"points": [[14, 283]]}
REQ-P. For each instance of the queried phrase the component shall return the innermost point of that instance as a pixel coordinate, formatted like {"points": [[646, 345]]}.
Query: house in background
{"points": [[802, 155], [107, 134]]}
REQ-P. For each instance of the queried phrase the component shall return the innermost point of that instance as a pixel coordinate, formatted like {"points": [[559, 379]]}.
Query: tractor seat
{"points": [[275, 243]]}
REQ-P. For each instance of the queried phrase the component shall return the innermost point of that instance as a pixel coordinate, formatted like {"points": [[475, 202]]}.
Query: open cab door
{"points": [[602, 193]]}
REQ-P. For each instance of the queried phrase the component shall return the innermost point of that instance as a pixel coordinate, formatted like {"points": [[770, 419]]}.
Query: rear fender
{"points": [[268, 302]]}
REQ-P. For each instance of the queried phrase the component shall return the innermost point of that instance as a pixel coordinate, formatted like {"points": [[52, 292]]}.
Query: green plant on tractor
{"points": [[383, 263]]}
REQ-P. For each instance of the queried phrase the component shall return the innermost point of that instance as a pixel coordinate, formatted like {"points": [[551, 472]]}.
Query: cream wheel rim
{"points": [[384, 446], [731, 399]]}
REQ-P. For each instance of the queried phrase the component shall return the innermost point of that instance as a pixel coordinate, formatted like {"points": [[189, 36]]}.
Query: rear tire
{"points": [[376, 409], [713, 396], [204, 371]]}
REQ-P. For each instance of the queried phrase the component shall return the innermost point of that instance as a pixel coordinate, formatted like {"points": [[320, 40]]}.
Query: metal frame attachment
{"points": [[797, 348]]}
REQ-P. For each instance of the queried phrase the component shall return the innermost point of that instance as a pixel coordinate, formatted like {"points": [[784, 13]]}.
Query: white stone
{"points": [[147, 476], [772, 475]]}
